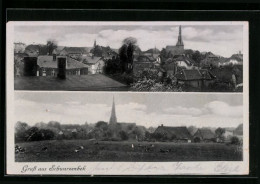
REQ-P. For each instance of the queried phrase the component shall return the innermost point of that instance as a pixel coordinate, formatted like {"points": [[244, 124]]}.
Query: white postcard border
{"points": [[123, 168]]}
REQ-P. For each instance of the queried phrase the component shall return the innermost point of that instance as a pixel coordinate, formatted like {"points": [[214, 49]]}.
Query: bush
{"points": [[46, 134], [123, 135], [150, 80], [234, 140]]}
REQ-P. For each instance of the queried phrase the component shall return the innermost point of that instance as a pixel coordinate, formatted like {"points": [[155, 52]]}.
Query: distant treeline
{"points": [[100, 131], [103, 131]]}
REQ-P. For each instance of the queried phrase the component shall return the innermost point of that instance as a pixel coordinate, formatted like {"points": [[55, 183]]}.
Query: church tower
{"points": [[180, 42], [113, 119]]}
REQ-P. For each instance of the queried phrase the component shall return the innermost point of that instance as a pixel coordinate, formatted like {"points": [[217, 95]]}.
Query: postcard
{"points": [[127, 98]]}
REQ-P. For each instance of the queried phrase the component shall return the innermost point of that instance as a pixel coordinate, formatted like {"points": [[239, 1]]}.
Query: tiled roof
{"points": [[90, 60], [238, 57], [176, 58], [72, 50], [194, 74], [225, 74], [187, 60], [46, 61]]}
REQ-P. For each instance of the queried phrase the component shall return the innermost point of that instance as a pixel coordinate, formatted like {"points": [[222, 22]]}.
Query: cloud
{"points": [[223, 109], [183, 111], [215, 113], [222, 40]]}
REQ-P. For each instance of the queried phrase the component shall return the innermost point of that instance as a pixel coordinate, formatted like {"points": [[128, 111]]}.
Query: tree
{"points": [[234, 140], [112, 66], [219, 133], [163, 55], [54, 124], [97, 51], [33, 134], [51, 45], [196, 56], [20, 131], [46, 134], [102, 125], [147, 135], [126, 54], [123, 135]]}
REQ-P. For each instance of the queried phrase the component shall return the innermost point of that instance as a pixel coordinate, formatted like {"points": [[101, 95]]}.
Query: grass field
{"points": [[64, 151]]}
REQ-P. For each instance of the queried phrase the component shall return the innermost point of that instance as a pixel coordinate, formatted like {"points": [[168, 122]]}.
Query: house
{"points": [[58, 49], [228, 134], [231, 75], [75, 52], [143, 62], [183, 61], [180, 134], [104, 52], [36, 50], [235, 59], [196, 78], [155, 53], [174, 64], [47, 65], [95, 64], [204, 134]]}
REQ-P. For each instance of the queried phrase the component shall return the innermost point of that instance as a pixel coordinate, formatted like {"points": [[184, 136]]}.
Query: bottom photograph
{"points": [[127, 127]]}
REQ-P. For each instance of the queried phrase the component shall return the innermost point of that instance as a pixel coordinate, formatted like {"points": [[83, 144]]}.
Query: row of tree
{"points": [[99, 131], [54, 130]]}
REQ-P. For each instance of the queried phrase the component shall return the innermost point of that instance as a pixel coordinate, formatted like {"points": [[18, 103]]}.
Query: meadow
{"points": [[70, 151]]}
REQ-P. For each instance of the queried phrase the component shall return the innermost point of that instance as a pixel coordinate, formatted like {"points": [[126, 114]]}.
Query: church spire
{"points": [[113, 119], [180, 42]]}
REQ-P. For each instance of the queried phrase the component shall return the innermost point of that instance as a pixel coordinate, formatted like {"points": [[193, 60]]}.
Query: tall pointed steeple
{"points": [[113, 119], [179, 42]]}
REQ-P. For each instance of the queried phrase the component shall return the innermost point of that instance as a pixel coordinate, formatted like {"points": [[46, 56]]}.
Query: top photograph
{"points": [[128, 56]]}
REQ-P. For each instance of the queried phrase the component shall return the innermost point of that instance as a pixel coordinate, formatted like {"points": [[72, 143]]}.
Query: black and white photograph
{"points": [[127, 98], [122, 127], [171, 57]]}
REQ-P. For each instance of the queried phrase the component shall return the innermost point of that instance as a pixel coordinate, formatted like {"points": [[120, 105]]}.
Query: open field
{"points": [[64, 151]]}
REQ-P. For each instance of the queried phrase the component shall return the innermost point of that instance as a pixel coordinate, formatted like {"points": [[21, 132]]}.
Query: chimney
{"points": [[62, 62], [30, 66], [161, 125], [54, 57]]}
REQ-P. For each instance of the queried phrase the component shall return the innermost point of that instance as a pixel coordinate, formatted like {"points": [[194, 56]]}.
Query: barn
{"points": [[176, 134], [204, 135]]}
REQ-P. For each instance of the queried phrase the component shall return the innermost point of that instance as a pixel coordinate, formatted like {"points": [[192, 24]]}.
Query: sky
{"points": [[147, 109], [223, 40]]}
